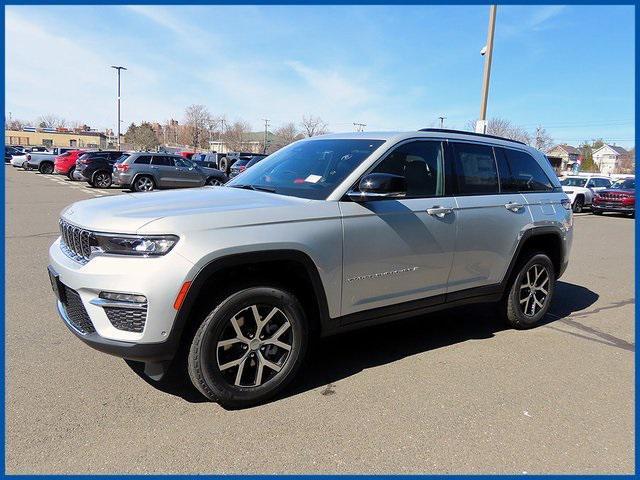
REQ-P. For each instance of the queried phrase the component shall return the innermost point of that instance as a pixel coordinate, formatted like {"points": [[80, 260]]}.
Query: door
{"points": [[164, 171], [188, 174], [400, 249], [490, 217]]}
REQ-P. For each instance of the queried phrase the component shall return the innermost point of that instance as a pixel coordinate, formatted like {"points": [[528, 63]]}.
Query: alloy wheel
{"points": [[534, 290], [214, 182], [254, 346], [103, 180], [144, 184]]}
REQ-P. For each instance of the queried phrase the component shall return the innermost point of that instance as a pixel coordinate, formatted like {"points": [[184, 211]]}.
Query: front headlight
{"points": [[141, 245]]}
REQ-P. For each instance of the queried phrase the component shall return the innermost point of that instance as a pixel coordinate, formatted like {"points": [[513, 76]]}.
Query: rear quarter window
{"points": [[523, 174]]}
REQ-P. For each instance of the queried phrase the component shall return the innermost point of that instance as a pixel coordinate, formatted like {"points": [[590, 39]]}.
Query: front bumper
{"points": [[121, 179], [156, 342], [609, 207]]}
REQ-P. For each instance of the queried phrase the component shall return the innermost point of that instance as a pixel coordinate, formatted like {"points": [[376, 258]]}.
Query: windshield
{"points": [[310, 169], [627, 184], [574, 182]]}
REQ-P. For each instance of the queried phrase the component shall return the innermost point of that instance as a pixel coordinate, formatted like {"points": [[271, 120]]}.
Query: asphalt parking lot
{"points": [[454, 392]]}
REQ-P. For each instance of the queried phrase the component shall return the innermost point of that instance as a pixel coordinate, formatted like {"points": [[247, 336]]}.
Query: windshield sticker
{"points": [[313, 178]]}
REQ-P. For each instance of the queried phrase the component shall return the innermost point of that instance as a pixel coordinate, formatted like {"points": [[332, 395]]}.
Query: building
{"points": [[567, 153], [608, 158], [51, 138]]}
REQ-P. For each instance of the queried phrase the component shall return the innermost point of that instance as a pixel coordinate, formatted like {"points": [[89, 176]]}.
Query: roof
{"points": [[567, 148], [615, 148]]}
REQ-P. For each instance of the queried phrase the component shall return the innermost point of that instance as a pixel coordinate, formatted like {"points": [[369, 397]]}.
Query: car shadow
{"points": [[335, 358]]}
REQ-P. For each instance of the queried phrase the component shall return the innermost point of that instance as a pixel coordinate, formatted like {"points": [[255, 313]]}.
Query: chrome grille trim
{"points": [[75, 241]]}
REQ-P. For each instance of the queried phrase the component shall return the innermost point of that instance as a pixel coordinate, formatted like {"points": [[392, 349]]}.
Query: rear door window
{"points": [[526, 175], [162, 161], [476, 171]]}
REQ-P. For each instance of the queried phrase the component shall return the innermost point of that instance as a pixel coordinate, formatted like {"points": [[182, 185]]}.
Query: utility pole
{"points": [[442, 121], [487, 51], [359, 126], [118, 69], [266, 126]]}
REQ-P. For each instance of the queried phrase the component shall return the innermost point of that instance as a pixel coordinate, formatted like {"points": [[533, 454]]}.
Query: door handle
{"points": [[438, 211], [513, 206]]}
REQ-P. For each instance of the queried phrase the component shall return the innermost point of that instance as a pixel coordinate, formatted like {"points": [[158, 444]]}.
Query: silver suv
{"points": [[146, 171], [327, 234]]}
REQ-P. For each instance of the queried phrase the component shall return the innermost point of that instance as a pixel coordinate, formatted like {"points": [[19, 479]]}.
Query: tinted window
{"points": [[475, 169], [162, 160], [143, 160], [421, 164], [573, 182], [629, 183], [122, 158], [601, 182], [526, 174]]}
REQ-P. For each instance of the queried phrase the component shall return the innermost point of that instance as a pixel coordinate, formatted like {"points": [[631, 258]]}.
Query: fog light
{"points": [[123, 297]]}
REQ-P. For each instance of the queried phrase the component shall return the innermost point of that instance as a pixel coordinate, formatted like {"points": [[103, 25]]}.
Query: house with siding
{"points": [[567, 153], [608, 158]]}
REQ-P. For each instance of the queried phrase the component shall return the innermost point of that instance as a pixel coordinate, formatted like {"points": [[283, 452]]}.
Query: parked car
{"points": [[187, 154], [581, 189], [621, 198], [36, 149], [143, 172], [231, 157], [9, 152], [44, 161], [328, 234], [96, 168], [20, 161], [65, 163], [19, 148], [209, 160], [243, 163]]}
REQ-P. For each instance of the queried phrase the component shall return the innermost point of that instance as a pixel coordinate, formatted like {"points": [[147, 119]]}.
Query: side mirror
{"points": [[377, 185]]}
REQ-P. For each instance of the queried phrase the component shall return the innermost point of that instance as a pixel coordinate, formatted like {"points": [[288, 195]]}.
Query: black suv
{"points": [[96, 167]]}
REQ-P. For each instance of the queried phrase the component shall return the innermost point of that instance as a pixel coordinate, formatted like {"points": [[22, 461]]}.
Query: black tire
{"points": [[578, 204], [222, 385], [25, 166], [101, 179], [512, 307], [214, 182], [143, 183], [70, 173], [46, 168], [596, 212]]}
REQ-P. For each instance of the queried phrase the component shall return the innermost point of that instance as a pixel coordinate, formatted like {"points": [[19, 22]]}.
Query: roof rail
{"points": [[463, 132]]}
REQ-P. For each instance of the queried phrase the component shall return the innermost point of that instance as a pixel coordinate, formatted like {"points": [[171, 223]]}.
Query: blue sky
{"points": [[570, 69]]}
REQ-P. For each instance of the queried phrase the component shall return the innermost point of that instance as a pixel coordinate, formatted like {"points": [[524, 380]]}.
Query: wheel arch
{"points": [[546, 239], [100, 170], [305, 283], [144, 174]]}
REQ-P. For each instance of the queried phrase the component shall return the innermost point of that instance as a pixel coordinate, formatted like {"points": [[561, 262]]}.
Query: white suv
{"points": [[581, 189], [327, 234]]}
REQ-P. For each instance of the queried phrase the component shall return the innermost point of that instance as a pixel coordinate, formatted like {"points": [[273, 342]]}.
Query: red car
{"points": [[187, 155], [620, 197], [65, 164]]}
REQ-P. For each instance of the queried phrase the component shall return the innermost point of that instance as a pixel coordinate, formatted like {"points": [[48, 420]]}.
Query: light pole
{"points": [[442, 121], [118, 69], [487, 51], [266, 127]]}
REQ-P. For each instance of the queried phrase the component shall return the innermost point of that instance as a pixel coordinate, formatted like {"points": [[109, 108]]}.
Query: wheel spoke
{"points": [[524, 300], [280, 331], [259, 370], [271, 365], [540, 289], [240, 370], [233, 363], [278, 343], [231, 341], [236, 327], [544, 282]]}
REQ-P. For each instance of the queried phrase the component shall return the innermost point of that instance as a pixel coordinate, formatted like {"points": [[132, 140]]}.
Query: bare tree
{"points": [[196, 122], [503, 128], [51, 121], [13, 124], [542, 140], [313, 126], [235, 135], [287, 133]]}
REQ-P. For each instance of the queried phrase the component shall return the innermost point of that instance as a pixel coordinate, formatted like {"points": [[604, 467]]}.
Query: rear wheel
{"points": [[70, 173], [102, 180], [249, 347], [25, 166], [224, 165], [143, 183], [46, 168], [530, 292], [213, 182]]}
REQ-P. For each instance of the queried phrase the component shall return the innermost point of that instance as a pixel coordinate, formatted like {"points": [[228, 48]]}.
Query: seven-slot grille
{"points": [[76, 241]]}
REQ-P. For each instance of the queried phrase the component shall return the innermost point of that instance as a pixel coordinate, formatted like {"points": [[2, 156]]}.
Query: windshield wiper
{"points": [[255, 187]]}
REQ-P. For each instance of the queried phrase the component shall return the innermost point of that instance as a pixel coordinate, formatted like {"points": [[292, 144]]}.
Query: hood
{"points": [[624, 191], [569, 188], [195, 208]]}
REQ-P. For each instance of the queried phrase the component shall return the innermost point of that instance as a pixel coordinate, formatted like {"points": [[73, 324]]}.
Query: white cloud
{"points": [[543, 14]]}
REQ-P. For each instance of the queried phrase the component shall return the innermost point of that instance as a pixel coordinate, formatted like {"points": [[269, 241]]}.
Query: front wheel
{"points": [[70, 173], [530, 293], [46, 168], [596, 211], [578, 205], [249, 347]]}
